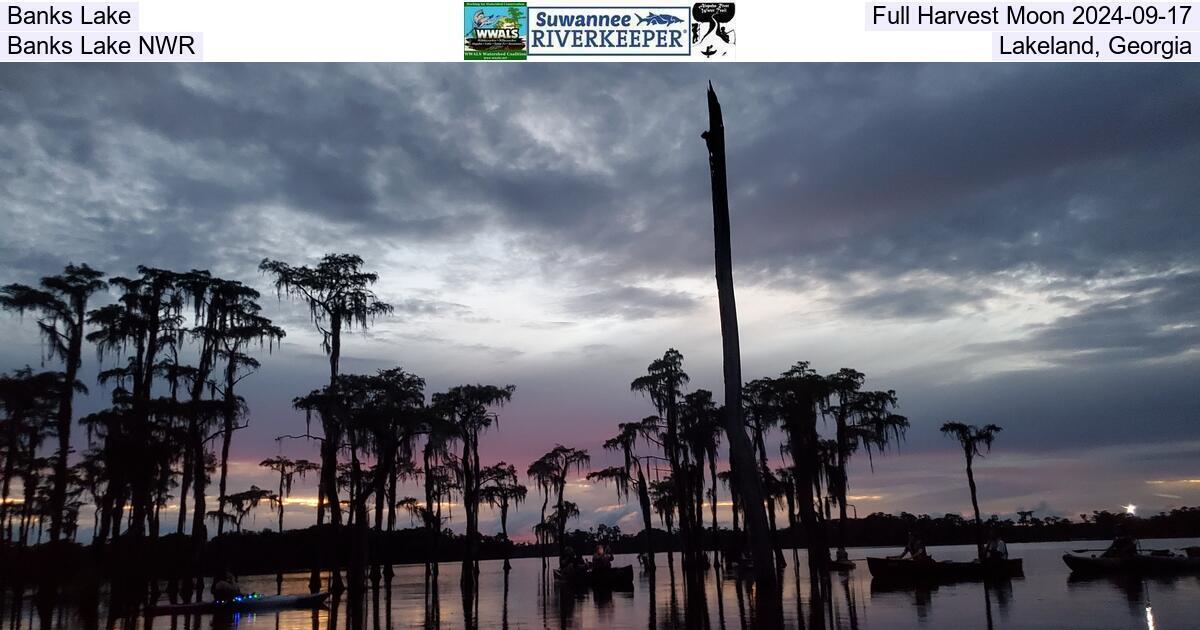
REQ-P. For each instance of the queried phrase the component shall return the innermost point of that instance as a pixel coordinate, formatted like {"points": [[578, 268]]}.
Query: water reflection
{"points": [[524, 597], [1131, 588]]}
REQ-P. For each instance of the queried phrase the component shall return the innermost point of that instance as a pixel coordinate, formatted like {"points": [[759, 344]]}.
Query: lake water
{"points": [[1047, 597]]}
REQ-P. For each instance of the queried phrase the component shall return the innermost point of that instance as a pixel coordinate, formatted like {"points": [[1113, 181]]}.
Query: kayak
{"points": [[246, 603], [1084, 563], [1155, 562], [613, 578], [944, 571]]}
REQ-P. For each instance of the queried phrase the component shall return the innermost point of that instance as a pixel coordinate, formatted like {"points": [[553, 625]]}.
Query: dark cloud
{"points": [[421, 307], [1061, 407], [631, 303], [925, 303], [883, 170], [1152, 318]]}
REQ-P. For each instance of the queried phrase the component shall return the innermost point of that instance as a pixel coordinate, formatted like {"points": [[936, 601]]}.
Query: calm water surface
{"points": [[1047, 597]]}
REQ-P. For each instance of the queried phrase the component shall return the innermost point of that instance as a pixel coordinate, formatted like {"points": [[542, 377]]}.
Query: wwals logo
{"points": [[495, 30]]}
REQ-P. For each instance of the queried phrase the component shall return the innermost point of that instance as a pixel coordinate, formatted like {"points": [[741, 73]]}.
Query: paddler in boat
{"points": [[226, 587], [1123, 545], [914, 549], [571, 563], [996, 549], [601, 559]]}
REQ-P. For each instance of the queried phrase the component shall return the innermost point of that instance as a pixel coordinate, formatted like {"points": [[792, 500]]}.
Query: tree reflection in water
{"points": [[504, 604], [840, 601]]}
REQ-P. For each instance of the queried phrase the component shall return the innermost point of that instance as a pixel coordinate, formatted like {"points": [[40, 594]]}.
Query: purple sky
{"points": [[1007, 244]]}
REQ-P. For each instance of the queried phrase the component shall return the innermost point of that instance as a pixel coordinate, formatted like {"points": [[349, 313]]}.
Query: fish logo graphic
{"points": [[656, 19]]}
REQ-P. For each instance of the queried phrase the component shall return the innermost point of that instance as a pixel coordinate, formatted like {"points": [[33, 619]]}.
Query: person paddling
{"points": [[996, 548], [602, 559], [1123, 546], [914, 549], [226, 587]]}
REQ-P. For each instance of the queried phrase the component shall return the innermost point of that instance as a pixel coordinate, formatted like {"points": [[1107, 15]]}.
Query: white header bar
{"points": [[612, 30]]}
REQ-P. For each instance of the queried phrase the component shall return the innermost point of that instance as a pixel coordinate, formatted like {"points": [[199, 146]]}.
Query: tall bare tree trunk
{"points": [[741, 452], [975, 506]]}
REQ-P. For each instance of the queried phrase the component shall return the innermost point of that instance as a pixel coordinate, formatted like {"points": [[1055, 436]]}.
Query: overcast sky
{"points": [[1009, 244]]}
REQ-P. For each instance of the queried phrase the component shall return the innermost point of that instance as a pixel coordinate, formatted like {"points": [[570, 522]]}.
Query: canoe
{"points": [[944, 571], [613, 578], [246, 603], [1142, 563], [1085, 563]]}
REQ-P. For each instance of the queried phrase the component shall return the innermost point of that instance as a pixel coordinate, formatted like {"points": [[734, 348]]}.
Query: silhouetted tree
{"points": [[864, 419], [243, 503], [793, 401], [468, 408], [700, 423], [663, 384], [550, 472], [337, 292], [144, 320], [502, 490], [975, 441], [399, 416], [665, 503], [288, 470], [439, 482], [61, 304], [540, 472], [632, 472], [29, 402], [759, 419], [241, 325], [367, 409], [210, 323]]}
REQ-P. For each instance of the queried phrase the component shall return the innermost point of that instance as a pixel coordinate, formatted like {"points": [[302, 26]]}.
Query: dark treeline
{"points": [[268, 551]]}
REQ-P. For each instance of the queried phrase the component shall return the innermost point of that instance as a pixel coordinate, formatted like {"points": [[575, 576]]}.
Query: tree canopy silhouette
{"points": [[975, 441]]}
